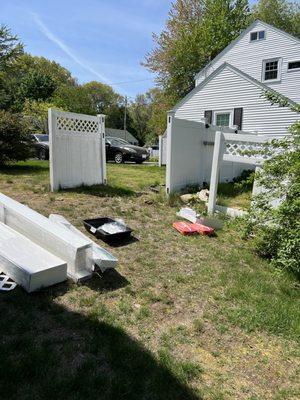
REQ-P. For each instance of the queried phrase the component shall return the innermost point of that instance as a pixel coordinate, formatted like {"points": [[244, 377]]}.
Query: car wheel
{"points": [[118, 158], [43, 154]]}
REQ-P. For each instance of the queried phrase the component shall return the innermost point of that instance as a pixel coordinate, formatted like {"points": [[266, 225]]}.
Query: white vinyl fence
{"points": [[235, 148], [190, 146], [77, 149], [163, 149]]}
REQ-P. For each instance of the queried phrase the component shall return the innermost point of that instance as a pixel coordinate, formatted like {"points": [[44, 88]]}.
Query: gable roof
{"points": [[243, 33], [235, 71], [119, 133]]}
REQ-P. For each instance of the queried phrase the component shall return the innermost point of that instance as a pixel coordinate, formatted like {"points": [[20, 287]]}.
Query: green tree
{"points": [[74, 99], [277, 229], [196, 31], [10, 48], [140, 112], [283, 14], [36, 86], [26, 64], [106, 101], [102, 96], [15, 141], [161, 104], [36, 114], [31, 77]]}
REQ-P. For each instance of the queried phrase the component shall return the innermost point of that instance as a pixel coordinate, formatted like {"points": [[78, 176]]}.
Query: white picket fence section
{"points": [[77, 149], [236, 148]]}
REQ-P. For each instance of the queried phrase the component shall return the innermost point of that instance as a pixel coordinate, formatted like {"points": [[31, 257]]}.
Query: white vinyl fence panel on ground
{"points": [[28, 264], [77, 149], [101, 257], [190, 146], [71, 248]]}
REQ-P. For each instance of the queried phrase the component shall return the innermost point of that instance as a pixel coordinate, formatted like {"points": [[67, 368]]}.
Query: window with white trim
{"points": [[259, 35], [271, 70], [294, 65], [223, 118]]}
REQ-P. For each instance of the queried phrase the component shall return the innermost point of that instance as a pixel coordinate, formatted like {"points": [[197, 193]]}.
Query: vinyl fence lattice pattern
{"points": [[77, 150]]}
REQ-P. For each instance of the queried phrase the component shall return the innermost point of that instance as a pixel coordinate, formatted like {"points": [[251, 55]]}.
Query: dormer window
{"points": [[260, 35], [294, 65], [271, 70]]}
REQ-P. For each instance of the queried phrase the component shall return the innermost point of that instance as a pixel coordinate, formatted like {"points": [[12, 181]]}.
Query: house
{"points": [[228, 94], [120, 133], [228, 91]]}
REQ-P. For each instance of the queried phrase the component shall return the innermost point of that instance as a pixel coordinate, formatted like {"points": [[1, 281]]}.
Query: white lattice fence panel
{"points": [[77, 150], [244, 148], [65, 124]]}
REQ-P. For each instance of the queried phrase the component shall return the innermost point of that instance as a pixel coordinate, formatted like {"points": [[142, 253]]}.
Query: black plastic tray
{"points": [[93, 226]]}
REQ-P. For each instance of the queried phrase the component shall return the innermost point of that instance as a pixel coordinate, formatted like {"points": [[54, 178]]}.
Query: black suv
{"points": [[41, 145], [120, 151]]}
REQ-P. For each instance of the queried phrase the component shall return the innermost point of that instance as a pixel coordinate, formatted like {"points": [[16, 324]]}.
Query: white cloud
{"points": [[43, 28]]}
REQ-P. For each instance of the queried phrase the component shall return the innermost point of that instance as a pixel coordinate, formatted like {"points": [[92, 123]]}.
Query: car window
{"points": [[117, 142], [42, 138]]}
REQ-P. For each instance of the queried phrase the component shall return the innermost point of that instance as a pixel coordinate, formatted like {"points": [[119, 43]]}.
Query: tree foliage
{"points": [[160, 105], [196, 31], [102, 96], [140, 112], [74, 99], [36, 86], [277, 228], [36, 114], [15, 141], [10, 48], [283, 14]]}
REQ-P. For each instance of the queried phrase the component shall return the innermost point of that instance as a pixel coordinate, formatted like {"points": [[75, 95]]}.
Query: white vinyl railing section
{"points": [[239, 148], [77, 149]]}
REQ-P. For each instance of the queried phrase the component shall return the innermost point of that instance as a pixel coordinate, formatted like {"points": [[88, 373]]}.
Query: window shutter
{"points": [[208, 116], [238, 118]]}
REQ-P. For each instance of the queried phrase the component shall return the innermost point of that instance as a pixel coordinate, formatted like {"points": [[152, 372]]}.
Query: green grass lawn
{"points": [[181, 318]]}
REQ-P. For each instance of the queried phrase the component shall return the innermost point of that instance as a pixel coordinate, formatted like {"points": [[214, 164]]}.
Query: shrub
{"points": [[15, 141], [277, 229]]}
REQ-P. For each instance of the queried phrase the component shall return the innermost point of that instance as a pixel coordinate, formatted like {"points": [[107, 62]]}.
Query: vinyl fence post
{"points": [[160, 150], [101, 118], [169, 167], [51, 131], [214, 179]]}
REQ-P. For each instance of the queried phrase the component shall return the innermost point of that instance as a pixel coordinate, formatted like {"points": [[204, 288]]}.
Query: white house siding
{"points": [[227, 91], [248, 57]]}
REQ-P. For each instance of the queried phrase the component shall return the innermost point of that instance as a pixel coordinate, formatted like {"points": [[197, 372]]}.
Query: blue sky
{"points": [[94, 39]]}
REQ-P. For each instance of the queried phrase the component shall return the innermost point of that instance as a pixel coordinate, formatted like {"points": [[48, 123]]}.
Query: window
{"points": [[223, 118], [294, 65], [271, 70], [260, 35]]}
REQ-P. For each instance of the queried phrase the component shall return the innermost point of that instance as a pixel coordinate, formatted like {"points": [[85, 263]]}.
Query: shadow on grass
{"points": [[231, 190], [49, 352], [25, 168], [109, 281], [121, 242], [102, 191]]}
